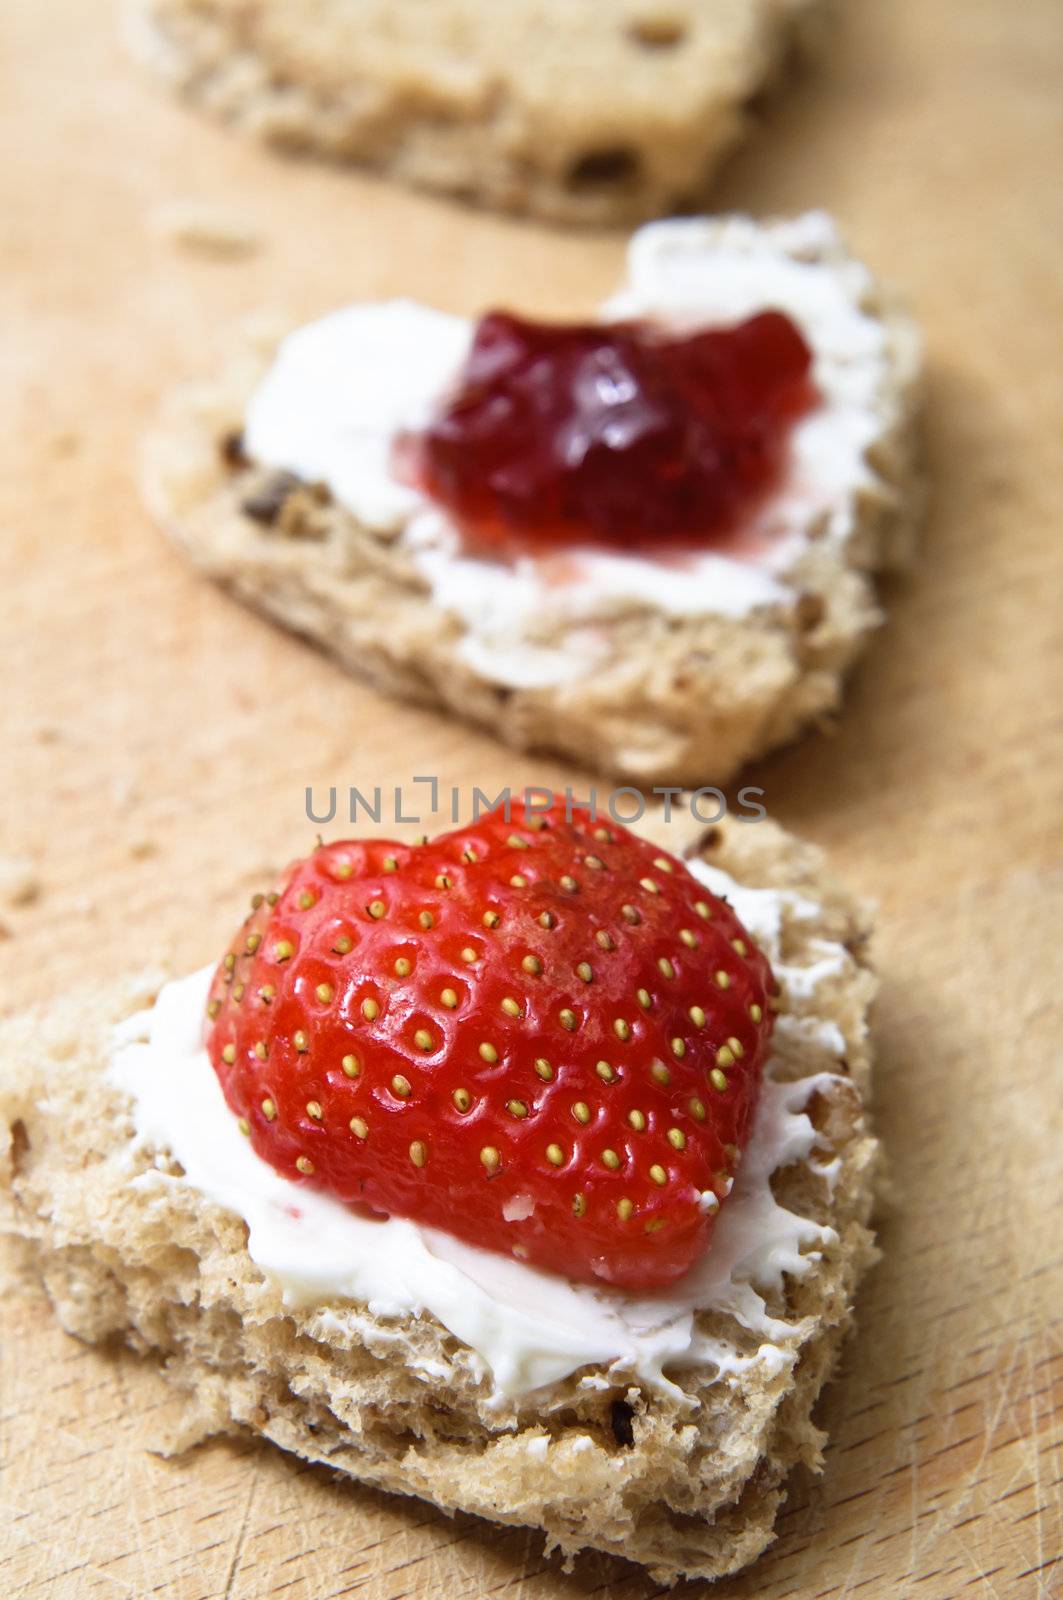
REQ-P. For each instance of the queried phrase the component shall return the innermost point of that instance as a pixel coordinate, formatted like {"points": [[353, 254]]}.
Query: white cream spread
{"points": [[340, 389], [525, 1327]]}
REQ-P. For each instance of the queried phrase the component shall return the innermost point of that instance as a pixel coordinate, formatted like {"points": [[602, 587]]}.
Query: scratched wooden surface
{"points": [[157, 741]]}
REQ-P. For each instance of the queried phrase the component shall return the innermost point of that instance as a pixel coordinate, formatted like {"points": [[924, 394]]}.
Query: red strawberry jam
{"points": [[611, 433]]}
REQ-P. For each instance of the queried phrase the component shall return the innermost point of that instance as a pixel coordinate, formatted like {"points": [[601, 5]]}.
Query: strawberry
{"points": [[543, 1036]]}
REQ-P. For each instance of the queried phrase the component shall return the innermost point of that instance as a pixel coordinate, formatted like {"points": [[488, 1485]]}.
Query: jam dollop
{"points": [[618, 433]]}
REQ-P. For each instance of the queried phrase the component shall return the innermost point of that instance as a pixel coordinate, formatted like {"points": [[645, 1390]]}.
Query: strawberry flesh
{"points": [[543, 1036]]}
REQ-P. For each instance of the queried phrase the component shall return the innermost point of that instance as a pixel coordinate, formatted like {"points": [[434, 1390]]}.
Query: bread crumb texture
{"points": [[205, 228], [686, 1483], [571, 109]]}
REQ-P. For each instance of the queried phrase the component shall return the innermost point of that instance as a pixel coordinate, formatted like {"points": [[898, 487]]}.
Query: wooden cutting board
{"points": [[158, 741]]}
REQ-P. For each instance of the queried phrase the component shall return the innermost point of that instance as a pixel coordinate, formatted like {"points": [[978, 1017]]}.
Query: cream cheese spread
{"points": [[341, 389], [526, 1327]]}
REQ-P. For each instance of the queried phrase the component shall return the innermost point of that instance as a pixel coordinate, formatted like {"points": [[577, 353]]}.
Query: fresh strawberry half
{"points": [[542, 1035]]}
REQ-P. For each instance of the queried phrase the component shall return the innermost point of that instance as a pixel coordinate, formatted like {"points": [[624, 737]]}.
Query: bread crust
{"points": [[669, 699], [686, 1483], [576, 111]]}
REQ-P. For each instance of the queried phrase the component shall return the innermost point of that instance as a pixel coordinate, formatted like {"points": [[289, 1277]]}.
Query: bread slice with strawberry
{"points": [[646, 542], [528, 1171]]}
